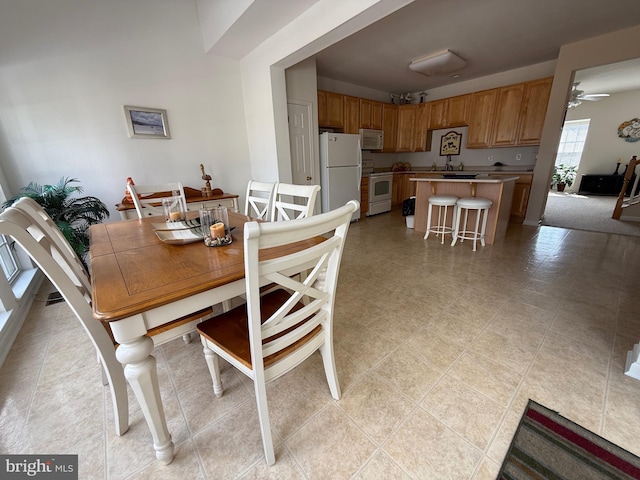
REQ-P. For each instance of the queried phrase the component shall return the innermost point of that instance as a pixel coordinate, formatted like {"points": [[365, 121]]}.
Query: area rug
{"points": [[548, 446], [580, 212]]}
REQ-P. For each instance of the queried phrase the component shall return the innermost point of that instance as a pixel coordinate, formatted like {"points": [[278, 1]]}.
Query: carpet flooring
{"points": [[547, 445], [580, 212]]}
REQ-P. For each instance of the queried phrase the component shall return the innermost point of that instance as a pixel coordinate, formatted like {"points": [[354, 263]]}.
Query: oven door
{"points": [[380, 193], [380, 188]]}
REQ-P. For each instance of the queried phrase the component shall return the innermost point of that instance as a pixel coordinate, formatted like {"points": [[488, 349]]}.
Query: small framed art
{"points": [[146, 122]]}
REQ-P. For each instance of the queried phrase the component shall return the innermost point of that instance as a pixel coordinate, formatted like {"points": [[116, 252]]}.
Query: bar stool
{"points": [[443, 202], [481, 206]]}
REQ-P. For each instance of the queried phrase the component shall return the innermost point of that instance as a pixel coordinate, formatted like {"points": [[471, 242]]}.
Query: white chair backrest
{"points": [[318, 267], [46, 254], [293, 201], [148, 198], [258, 200], [39, 216]]}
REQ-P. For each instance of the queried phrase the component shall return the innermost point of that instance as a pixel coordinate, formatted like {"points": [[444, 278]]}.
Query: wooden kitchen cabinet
{"points": [[521, 192], [406, 126], [458, 111], [534, 110], [389, 126], [330, 109], [449, 112], [364, 196], [421, 136], [370, 114], [396, 189], [351, 114], [481, 116], [507, 115]]}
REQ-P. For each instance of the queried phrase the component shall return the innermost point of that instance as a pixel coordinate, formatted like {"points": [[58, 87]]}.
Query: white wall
{"points": [[63, 87], [593, 52], [603, 147]]}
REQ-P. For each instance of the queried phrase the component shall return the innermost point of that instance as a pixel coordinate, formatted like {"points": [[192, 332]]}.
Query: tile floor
{"points": [[438, 350]]}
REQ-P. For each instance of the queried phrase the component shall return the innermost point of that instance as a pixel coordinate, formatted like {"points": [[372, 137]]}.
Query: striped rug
{"points": [[549, 446]]}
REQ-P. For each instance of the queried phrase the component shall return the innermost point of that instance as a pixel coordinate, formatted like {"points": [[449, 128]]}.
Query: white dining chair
{"points": [[273, 333], [45, 252], [293, 201], [259, 199], [148, 198], [38, 214]]}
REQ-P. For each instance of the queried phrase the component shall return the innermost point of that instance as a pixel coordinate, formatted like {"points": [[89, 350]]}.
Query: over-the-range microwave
{"points": [[371, 139]]}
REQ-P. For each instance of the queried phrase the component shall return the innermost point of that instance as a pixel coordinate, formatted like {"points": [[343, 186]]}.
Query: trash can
{"points": [[409, 210]]}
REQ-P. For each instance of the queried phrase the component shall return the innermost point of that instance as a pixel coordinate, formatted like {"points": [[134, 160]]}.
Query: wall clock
{"points": [[630, 130]]}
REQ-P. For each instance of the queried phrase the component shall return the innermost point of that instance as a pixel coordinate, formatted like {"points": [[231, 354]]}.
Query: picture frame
{"points": [[450, 143], [144, 122]]}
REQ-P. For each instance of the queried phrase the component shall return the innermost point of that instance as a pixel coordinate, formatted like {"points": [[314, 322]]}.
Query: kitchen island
{"points": [[498, 189]]}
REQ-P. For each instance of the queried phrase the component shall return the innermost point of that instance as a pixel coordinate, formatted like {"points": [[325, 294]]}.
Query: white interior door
{"points": [[301, 144]]}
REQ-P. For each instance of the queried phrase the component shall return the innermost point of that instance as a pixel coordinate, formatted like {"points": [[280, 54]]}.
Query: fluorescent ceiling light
{"points": [[438, 63]]}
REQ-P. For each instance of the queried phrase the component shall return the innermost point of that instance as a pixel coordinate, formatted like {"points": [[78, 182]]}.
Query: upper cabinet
{"points": [[330, 109], [534, 110], [449, 112], [482, 111], [351, 114], [421, 136], [390, 127], [370, 114], [499, 117], [406, 126], [509, 116]]}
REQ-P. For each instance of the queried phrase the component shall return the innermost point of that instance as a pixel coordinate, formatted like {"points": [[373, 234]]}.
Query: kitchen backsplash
{"points": [[480, 158]]}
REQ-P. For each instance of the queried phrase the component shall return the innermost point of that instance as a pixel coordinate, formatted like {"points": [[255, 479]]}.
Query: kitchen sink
{"points": [[461, 176]]}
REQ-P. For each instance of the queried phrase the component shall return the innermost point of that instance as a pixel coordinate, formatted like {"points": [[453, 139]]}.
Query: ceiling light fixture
{"points": [[438, 63]]}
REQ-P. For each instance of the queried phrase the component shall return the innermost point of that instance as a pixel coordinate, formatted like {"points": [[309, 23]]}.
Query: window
{"points": [[574, 134], [7, 259]]}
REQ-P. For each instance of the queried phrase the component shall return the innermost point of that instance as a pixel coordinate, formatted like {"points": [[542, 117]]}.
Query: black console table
{"points": [[603, 184]]}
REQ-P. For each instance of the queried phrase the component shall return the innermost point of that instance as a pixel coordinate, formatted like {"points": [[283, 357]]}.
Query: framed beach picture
{"points": [[146, 122]]}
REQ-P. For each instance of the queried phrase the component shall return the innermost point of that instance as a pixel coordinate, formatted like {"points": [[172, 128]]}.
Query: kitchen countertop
{"points": [[488, 178]]}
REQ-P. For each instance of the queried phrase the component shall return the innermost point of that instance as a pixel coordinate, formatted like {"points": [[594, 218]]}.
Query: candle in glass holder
{"points": [[217, 230]]}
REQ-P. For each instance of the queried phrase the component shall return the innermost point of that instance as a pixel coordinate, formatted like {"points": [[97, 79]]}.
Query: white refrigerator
{"points": [[340, 170]]}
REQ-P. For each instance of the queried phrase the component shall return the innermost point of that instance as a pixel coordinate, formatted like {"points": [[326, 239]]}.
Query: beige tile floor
{"points": [[438, 350]]}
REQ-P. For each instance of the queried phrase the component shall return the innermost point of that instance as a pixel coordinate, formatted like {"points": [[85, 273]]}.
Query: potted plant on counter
{"points": [[72, 214], [564, 176]]}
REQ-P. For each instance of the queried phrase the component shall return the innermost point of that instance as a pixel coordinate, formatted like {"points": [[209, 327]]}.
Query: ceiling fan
{"points": [[577, 96]]}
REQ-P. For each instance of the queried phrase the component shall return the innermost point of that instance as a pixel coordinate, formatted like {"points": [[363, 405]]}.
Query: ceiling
{"points": [[491, 35]]}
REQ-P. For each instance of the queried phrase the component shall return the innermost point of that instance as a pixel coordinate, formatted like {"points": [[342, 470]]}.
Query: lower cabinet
{"points": [[364, 196]]}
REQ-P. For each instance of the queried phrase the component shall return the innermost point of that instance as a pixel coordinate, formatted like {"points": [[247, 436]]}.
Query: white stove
{"points": [[380, 185]]}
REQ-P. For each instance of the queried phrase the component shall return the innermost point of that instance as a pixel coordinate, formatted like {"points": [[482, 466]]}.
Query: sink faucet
{"points": [[448, 166]]}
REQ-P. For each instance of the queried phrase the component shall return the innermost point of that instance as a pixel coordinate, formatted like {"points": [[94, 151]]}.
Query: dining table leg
{"points": [[140, 370]]}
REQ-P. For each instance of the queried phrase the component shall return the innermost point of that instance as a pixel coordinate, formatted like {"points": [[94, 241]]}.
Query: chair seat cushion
{"points": [[444, 200], [230, 330], [474, 202]]}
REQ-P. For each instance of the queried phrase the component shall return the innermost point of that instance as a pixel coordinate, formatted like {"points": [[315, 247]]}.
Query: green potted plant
{"points": [[564, 176], [72, 214]]}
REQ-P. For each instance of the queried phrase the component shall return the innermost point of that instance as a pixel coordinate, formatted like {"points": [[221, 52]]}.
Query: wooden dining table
{"points": [[141, 285]]}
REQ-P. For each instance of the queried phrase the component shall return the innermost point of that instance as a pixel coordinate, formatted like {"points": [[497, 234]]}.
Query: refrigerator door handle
{"points": [[359, 176]]}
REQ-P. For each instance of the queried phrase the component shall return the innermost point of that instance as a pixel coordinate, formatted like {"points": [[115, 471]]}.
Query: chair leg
{"points": [[329, 362], [456, 222], [426, 235], [484, 226], [477, 231], [213, 362], [263, 417]]}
